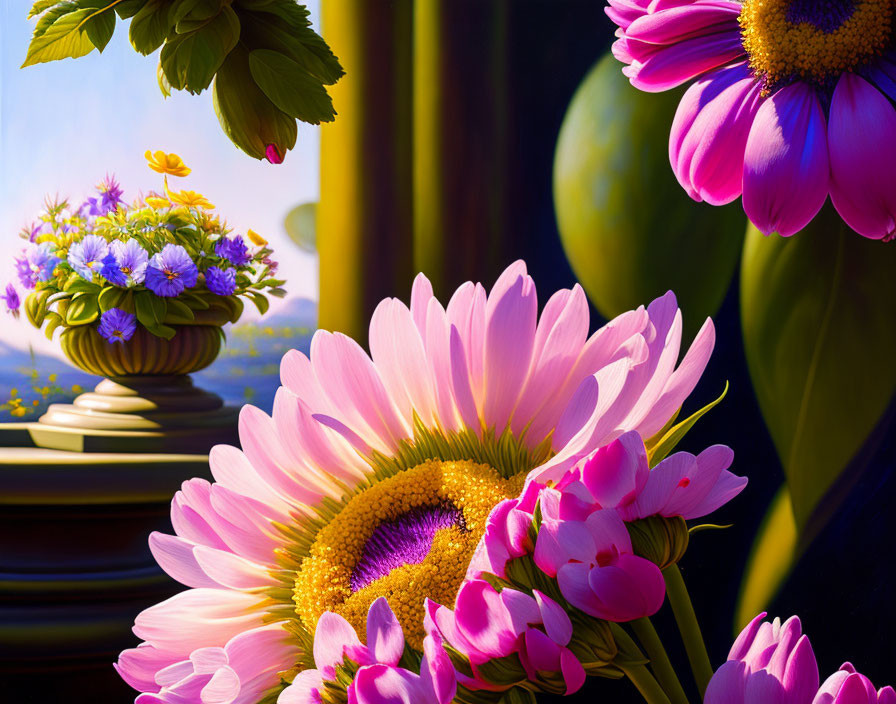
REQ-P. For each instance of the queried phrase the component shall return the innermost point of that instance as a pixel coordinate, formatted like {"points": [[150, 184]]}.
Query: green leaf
{"points": [[162, 331], [659, 448], [246, 114], [179, 313], [128, 8], [54, 320], [191, 60], [277, 292], [301, 226], [817, 317], [100, 29], [284, 26], [622, 215], [159, 308], [61, 33], [143, 309], [111, 297], [290, 87], [36, 307], [771, 559], [79, 285], [82, 310], [40, 6], [194, 301], [259, 300], [150, 26]]}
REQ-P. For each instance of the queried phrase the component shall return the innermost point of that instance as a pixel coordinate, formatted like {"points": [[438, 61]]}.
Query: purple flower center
{"points": [[405, 540], [826, 15]]}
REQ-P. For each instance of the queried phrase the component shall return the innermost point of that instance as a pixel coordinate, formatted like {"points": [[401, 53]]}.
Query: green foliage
{"points": [[269, 66], [628, 229], [818, 331]]}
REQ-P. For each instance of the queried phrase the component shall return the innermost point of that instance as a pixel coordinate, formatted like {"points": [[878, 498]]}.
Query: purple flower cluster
{"points": [[87, 256], [108, 200], [12, 300], [221, 282], [117, 325], [233, 250], [126, 263], [171, 271], [36, 264]]}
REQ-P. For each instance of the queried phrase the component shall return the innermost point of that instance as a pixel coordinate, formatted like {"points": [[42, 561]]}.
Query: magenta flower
{"points": [[272, 154], [87, 256], [769, 662], [221, 282], [404, 438], [529, 634], [378, 677], [846, 686], [792, 102], [12, 300], [117, 325], [36, 264], [171, 271], [617, 476]]}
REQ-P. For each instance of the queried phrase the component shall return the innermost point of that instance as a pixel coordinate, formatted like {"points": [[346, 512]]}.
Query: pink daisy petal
{"points": [[862, 143], [786, 168], [384, 635]]}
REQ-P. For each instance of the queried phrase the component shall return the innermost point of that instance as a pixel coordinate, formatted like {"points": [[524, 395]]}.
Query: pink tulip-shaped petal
{"points": [[572, 578], [483, 619], [800, 678], [786, 167], [617, 472], [630, 588], [331, 638], [662, 482], [862, 143], [384, 635], [521, 608], [541, 652], [572, 670], [556, 621], [305, 689], [560, 542], [709, 133], [727, 684], [608, 531], [436, 671], [381, 684]]}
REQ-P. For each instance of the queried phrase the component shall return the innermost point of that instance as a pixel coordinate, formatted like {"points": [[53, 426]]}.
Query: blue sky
{"points": [[64, 125]]}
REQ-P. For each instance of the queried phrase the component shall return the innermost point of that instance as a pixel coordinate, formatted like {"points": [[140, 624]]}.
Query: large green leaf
{"points": [[290, 87], [150, 26], [68, 30], [819, 332], [246, 114], [629, 230], [190, 60]]}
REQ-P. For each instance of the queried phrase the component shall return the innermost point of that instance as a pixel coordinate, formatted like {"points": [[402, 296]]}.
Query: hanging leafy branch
{"points": [[268, 66]]}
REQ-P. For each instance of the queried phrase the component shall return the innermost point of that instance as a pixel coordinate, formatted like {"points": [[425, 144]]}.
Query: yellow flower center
{"points": [[789, 40], [406, 537]]}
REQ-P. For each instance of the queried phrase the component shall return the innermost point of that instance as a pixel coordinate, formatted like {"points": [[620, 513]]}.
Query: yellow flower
{"points": [[18, 411], [166, 163], [255, 238], [190, 199], [156, 202]]}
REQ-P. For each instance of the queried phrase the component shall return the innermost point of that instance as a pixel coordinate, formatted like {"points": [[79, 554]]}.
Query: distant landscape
{"points": [[247, 370]]}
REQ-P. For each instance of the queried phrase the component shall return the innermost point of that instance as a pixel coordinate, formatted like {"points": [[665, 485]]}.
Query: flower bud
{"points": [[661, 540]]}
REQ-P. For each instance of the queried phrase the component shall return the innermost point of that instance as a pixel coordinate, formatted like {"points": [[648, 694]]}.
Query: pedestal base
{"points": [[75, 565], [138, 414]]}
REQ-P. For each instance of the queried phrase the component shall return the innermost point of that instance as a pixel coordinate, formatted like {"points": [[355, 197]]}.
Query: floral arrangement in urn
{"points": [[144, 287]]}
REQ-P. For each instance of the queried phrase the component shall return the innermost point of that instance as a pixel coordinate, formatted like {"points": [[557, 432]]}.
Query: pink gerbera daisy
{"points": [[376, 474], [793, 101]]}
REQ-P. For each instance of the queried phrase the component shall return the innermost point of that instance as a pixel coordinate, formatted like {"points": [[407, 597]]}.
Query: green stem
{"points": [[659, 660], [646, 684], [686, 619]]}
